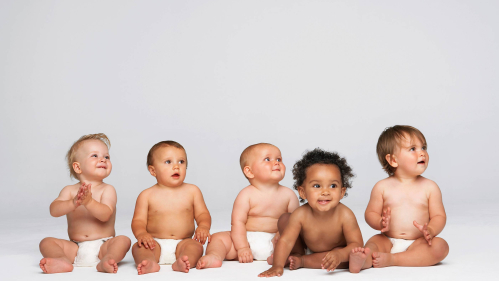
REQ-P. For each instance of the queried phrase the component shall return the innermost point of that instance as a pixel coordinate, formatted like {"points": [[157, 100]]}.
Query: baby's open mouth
{"points": [[323, 202], [176, 175], [421, 162]]}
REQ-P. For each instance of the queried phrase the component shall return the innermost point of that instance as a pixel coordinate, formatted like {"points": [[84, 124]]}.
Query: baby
{"points": [[163, 222], [256, 210], [407, 238], [90, 208], [325, 227]]}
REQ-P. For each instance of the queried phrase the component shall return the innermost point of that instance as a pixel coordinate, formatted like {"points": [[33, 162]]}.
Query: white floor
{"points": [[470, 232]]}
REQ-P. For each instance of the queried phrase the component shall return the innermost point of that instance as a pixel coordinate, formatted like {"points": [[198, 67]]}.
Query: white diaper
{"points": [[400, 245], [168, 249], [260, 244], [308, 251], [88, 252]]}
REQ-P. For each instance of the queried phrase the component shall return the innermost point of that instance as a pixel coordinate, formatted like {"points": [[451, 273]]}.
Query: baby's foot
{"points": [[357, 258], [382, 259], [108, 266], [147, 266], [182, 264], [295, 262], [55, 265], [209, 261]]}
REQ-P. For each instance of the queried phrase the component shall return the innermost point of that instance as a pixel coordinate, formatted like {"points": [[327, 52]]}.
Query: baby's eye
{"points": [[316, 185], [333, 185], [107, 157], [424, 147], [94, 155], [279, 160], [168, 161], [412, 149], [266, 159], [181, 162]]}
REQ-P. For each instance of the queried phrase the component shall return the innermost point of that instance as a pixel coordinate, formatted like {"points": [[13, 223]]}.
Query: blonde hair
{"points": [[390, 139], [243, 160], [150, 155], [71, 155]]}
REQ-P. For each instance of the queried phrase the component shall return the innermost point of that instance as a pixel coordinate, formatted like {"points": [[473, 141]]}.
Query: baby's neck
{"points": [[93, 182], [265, 185], [406, 179], [160, 185]]}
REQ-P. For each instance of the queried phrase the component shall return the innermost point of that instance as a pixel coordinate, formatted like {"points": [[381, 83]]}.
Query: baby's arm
{"points": [[202, 217], [374, 209], [139, 222], [438, 217], [353, 237], [238, 230], [285, 245], [65, 203], [104, 209]]}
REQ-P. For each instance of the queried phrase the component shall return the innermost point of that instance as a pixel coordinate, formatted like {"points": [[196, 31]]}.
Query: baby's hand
{"points": [[273, 271], [201, 234], [330, 261], [385, 220], [244, 255], [86, 196], [79, 194], [147, 240], [426, 232]]}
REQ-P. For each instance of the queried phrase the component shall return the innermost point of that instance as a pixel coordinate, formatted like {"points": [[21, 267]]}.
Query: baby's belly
{"points": [[171, 228], [263, 224], [89, 230], [402, 226]]}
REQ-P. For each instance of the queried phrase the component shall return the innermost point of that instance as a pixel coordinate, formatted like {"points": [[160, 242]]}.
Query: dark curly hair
{"points": [[319, 156]]}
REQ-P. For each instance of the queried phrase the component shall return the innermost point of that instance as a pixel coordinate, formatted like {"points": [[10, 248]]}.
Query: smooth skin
{"points": [[408, 206], [178, 203], [90, 209], [256, 208], [323, 225]]}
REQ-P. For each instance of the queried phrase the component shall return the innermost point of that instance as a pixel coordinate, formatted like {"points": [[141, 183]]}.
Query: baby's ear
{"points": [[301, 192], [343, 191], [391, 160], [76, 167], [248, 173], [151, 170]]}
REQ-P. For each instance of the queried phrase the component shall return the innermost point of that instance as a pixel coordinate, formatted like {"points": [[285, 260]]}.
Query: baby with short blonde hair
{"points": [[90, 209]]}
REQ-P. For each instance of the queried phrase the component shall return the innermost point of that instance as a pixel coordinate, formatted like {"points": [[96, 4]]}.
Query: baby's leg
{"points": [[220, 248], [112, 252], [58, 255], [188, 252], [146, 259], [363, 258], [311, 261], [418, 254], [299, 247]]}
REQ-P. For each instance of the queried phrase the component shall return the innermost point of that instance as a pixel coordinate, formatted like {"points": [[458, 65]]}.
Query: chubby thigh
{"points": [[50, 247]]}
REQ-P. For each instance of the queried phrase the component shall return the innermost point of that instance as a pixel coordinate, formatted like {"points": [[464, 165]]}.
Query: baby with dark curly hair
{"points": [[322, 232]]}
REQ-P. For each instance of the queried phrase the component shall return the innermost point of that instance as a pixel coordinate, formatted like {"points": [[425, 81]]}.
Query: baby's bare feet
{"points": [[295, 262], [357, 259], [108, 266], [147, 266], [182, 264], [55, 265], [209, 261], [382, 259]]}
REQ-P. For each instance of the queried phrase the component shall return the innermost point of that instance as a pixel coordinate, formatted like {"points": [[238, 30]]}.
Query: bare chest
{"points": [[267, 206]]}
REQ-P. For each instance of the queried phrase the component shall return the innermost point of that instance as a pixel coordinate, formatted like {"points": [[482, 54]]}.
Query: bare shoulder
{"points": [[146, 193], [301, 213], [69, 190], [345, 213], [286, 191], [246, 192], [191, 189], [429, 185], [382, 184], [108, 188]]}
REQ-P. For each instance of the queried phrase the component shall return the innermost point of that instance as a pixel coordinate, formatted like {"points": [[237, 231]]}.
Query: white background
{"points": [[218, 76]]}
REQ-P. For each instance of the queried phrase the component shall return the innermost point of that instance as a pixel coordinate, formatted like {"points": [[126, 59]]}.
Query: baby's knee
{"points": [[46, 242], [440, 248], [283, 221], [122, 239]]}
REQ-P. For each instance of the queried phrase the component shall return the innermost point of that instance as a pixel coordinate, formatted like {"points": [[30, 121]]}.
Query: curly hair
{"points": [[319, 156]]}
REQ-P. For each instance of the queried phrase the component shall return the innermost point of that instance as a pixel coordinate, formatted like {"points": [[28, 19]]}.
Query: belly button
{"points": [[86, 235]]}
